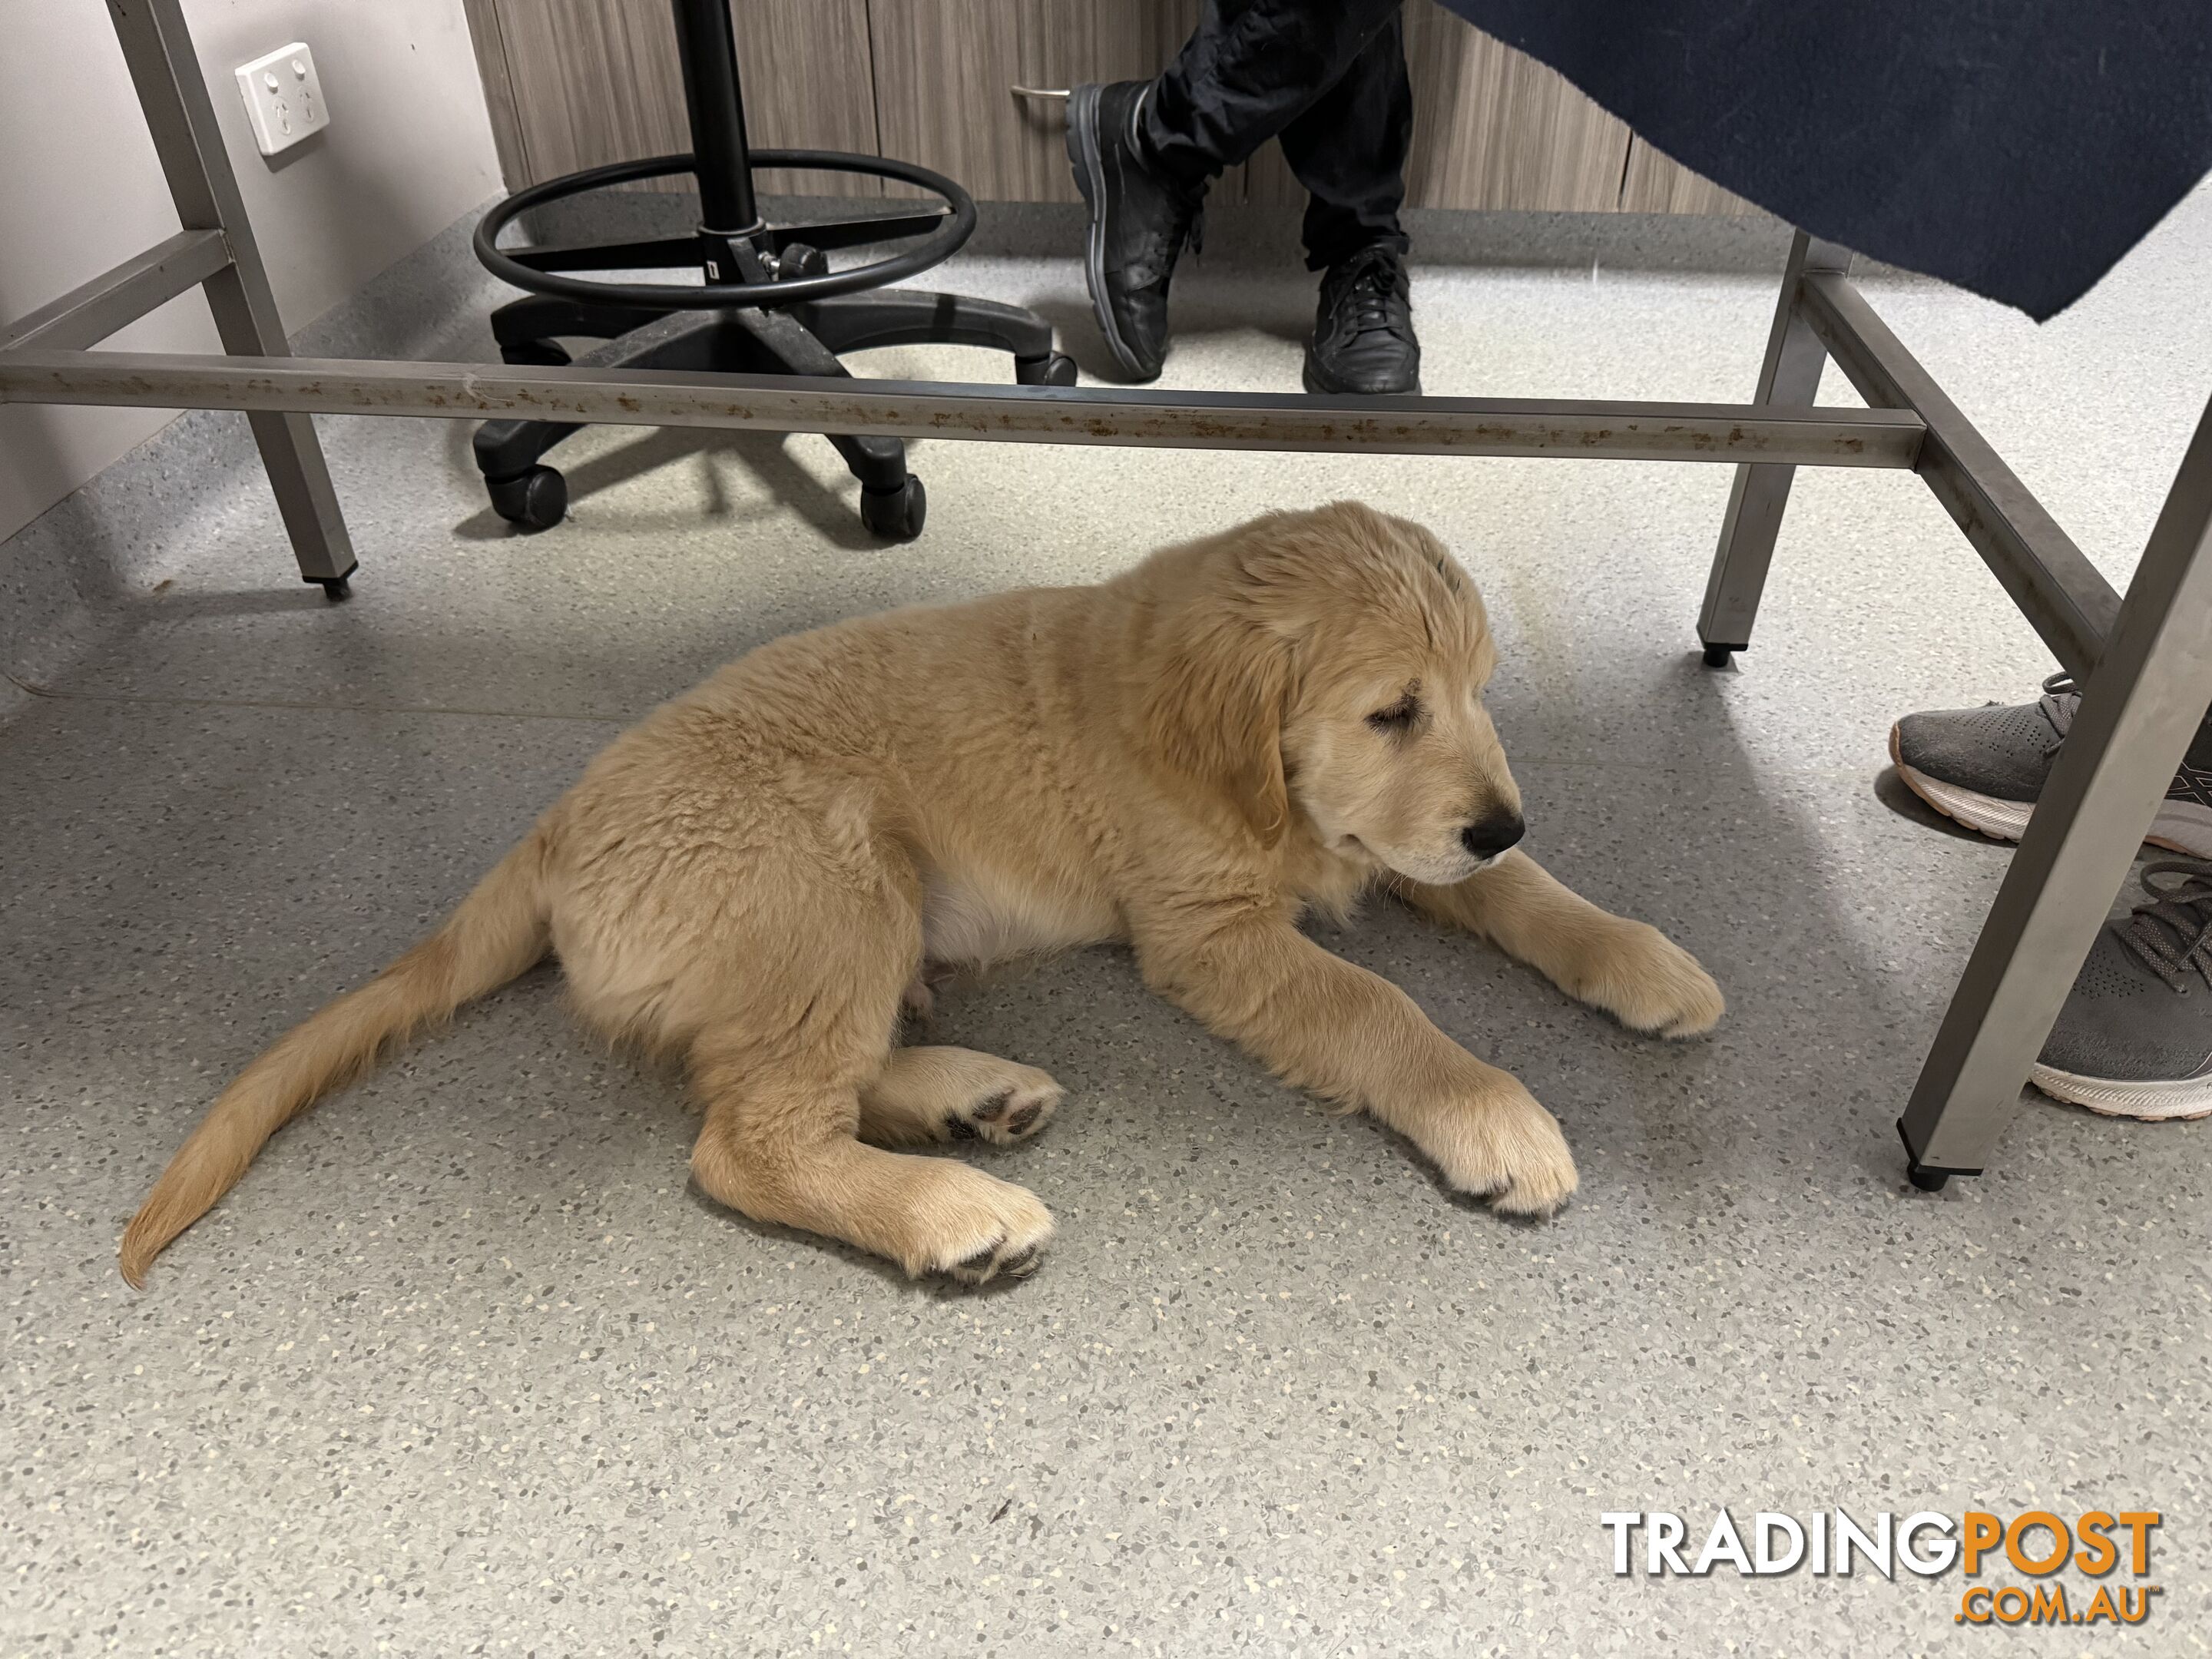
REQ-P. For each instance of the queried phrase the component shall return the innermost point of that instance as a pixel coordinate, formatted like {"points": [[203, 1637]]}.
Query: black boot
{"points": [[1139, 221], [1363, 338]]}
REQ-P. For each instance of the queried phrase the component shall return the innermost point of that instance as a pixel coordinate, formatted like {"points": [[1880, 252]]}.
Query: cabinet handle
{"points": [[1058, 94]]}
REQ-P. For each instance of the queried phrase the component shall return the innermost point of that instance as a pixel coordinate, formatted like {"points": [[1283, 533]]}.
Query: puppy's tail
{"points": [[498, 933]]}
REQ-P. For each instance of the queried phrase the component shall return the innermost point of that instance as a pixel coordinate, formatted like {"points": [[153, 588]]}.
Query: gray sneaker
{"points": [[2134, 1038], [1985, 767]]}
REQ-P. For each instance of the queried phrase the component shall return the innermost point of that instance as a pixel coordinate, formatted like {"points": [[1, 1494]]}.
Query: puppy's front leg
{"points": [[1629, 968], [1321, 1023]]}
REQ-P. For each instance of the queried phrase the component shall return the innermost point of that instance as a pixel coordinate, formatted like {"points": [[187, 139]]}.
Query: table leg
{"points": [[1791, 374], [2139, 707], [181, 118]]}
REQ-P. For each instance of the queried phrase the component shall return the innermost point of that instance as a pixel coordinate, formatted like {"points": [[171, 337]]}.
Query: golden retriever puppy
{"points": [[1187, 758]]}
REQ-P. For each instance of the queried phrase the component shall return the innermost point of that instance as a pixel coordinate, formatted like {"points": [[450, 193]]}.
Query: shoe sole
{"points": [[1089, 168], [1322, 388], [2183, 1101], [2180, 827]]}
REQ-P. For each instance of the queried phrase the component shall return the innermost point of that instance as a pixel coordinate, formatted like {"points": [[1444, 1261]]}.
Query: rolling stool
{"points": [[770, 304]]}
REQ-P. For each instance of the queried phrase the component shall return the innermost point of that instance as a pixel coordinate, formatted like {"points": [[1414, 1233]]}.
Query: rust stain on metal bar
{"points": [[1532, 428]]}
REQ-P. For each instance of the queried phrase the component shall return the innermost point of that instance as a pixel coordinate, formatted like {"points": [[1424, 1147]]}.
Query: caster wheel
{"points": [[896, 515], [1719, 656], [1057, 369], [536, 500], [336, 589], [798, 259], [545, 353]]}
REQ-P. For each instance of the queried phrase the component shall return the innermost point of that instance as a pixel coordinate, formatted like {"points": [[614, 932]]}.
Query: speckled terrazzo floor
{"points": [[463, 1366]]}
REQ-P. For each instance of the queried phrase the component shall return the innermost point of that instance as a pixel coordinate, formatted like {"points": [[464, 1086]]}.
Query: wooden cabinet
{"points": [[1655, 183], [944, 71], [1493, 128], [577, 83], [574, 83]]}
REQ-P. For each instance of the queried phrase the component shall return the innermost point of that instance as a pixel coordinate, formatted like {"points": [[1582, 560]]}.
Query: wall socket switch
{"points": [[283, 98]]}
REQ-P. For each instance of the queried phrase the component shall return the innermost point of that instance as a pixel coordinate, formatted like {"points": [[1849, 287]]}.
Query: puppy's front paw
{"points": [[1650, 984], [1500, 1145], [985, 1229]]}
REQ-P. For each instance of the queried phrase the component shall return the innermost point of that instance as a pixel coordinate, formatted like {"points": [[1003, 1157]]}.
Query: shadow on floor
{"points": [[1271, 312], [1892, 792], [765, 454]]}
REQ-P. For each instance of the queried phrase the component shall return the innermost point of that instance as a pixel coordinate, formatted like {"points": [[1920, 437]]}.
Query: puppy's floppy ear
{"points": [[1220, 690]]}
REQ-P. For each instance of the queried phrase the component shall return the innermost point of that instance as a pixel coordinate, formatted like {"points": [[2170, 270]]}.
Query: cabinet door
{"points": [[575, 84], [812, 86], [590, 81], [944, 71], [1655, 183], [1492, 128]]}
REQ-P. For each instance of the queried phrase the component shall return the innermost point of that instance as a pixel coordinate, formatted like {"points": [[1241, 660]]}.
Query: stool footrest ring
{"points": [[542, 271]]}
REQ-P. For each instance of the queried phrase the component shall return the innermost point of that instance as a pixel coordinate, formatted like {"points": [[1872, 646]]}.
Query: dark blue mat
{"points": [[2016, 148]]}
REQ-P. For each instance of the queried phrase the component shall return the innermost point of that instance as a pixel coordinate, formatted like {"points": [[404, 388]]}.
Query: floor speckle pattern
{"points": [[464, 1367]]}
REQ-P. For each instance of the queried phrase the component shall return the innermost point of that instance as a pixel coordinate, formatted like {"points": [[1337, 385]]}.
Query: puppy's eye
{"points": [[1398, 716]]}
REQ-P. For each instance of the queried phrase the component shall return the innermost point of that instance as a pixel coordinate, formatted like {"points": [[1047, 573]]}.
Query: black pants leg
{"points": [[1327, 76]]}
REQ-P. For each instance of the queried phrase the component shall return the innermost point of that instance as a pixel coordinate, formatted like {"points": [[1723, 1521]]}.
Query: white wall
{"points": [[408, 151]]}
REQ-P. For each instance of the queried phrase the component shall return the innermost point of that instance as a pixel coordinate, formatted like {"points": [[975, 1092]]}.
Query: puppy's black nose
{"points": [[1485, 838]]}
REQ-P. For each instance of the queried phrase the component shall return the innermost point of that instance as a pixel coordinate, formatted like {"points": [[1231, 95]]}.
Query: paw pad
{"points": [[1008, 1113], [995, 1260]]}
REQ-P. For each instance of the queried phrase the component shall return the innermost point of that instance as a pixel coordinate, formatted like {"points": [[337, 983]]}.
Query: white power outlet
{"points": [[283, 97]]}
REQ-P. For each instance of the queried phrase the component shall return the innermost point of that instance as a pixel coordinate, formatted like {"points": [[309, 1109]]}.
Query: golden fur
{"points": [[1187, 758]]}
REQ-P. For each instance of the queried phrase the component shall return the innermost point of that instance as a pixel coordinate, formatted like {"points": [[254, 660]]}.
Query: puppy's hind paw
{"points": [[1013, 1108]]}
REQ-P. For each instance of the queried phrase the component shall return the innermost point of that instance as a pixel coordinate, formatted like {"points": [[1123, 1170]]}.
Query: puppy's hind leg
{"points": [[779, 971], [784, 1076], [781, 1149], [927, 1094]]}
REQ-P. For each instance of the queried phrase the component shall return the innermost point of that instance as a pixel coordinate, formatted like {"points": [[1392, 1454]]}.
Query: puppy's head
{"points": [[1332, 664]]}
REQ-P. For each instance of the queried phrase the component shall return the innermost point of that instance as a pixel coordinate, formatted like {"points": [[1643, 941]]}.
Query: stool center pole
{"points": [[707, 44]]}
